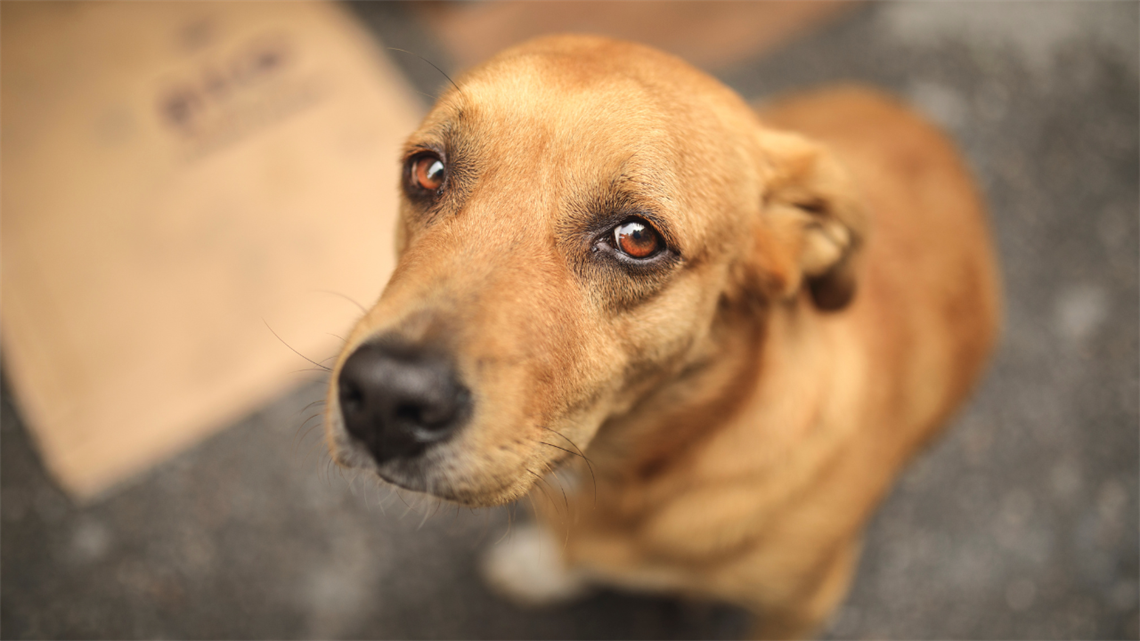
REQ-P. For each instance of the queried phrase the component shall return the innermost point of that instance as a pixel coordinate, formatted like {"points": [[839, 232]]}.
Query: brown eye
{"points": [[428, 172], [637, 239]]}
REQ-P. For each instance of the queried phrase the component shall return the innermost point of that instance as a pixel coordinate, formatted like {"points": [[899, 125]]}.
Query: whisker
{"points": [[344, 296], [291, 347], [557, 448], [312, 428], [322, 369], [430, 63], [380, 502], [319, 401], [486, 528], [311, 417], [400, 495], [351, 482], [427, 513], [547, 472], [392, 491], [306, 422], [302, 433], [565, 501], [530, 499], [589, 464], [510, 519], [540, 481]]}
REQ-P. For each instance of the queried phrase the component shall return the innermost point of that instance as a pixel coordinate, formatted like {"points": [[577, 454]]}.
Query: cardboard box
{"points": [[176, 178]]}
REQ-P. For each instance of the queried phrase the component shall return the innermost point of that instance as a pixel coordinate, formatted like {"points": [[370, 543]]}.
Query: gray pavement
{"points": [[1021, 523]]}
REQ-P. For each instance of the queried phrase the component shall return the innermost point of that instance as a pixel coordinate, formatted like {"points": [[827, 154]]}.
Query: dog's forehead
{"points": [[533, 102], [576, 126]]}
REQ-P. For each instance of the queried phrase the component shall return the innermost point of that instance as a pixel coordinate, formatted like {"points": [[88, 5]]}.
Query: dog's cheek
{"points": [[660, 338], [402, 233], [570, 367], [537, 362]]}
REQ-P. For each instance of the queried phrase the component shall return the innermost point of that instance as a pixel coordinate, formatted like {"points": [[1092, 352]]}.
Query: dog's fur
{"points": [[828, 298]]}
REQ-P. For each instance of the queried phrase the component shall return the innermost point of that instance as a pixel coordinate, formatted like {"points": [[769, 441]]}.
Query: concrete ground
{"points": [[1021, 523]]}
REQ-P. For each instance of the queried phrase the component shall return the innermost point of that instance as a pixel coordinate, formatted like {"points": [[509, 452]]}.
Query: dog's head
{"points": [[575, 215]]}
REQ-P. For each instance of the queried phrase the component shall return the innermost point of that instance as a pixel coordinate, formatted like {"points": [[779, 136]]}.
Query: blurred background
{"points": [[184, 183]]}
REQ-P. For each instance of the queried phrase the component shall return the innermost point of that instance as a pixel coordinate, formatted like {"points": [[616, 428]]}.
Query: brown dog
{"points": [[606, 254]]}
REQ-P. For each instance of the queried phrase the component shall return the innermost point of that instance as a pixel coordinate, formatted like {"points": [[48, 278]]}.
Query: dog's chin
{"points": [[491, 497], [436, 476], [465, 494]]}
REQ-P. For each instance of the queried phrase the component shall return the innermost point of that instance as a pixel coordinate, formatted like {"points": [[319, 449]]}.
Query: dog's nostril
{"points": [[351, 398], [423, 416], [397, 399], [408, 413]]}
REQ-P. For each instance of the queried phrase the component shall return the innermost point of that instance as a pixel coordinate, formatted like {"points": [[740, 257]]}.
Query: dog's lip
{"points": [[409, 474], [481, 497], [412, 475], [389, 478]]}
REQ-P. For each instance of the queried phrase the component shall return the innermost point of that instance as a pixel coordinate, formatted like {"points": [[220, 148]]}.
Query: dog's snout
{"points": [[398, 399]]}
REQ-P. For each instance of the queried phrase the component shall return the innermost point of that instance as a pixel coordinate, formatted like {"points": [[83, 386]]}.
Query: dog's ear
{"points": [[813, 222]]}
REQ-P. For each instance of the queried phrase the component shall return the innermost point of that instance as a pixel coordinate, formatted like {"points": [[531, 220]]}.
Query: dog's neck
{"points": [[728, 405], [701, 399]]}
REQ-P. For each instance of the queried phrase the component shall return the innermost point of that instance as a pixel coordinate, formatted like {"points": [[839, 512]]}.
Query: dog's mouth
{"points": [[456, 476], [464, 462]]}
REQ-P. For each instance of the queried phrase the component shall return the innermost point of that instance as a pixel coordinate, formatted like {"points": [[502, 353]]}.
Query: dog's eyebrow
{"points": [[438, 139], [628, 193], [443, 136]]}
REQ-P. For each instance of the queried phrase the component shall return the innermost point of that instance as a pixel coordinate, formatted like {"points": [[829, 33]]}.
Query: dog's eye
{"points": [[636, 239], [428, 172]]}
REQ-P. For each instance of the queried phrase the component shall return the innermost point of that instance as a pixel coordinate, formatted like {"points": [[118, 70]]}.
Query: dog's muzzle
{"points": [[397, 399]]}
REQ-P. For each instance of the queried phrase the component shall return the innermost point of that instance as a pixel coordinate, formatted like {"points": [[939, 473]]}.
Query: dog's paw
{"points": [[528, 569]]}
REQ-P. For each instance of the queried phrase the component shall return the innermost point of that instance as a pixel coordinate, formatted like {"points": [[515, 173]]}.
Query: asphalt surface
{"points": [[1021, 523]]}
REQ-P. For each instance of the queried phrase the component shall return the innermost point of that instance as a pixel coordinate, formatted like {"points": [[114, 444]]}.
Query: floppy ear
{"points": [[812, 222]]}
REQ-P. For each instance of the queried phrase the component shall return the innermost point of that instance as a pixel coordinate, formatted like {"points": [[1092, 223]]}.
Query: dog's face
{"points": [[574, 217]]}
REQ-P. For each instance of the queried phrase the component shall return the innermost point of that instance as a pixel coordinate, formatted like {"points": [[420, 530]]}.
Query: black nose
{"points": [[398, 399]]}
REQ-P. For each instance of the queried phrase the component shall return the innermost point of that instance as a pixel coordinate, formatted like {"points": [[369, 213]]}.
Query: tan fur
{"points": [[744, 409]]}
